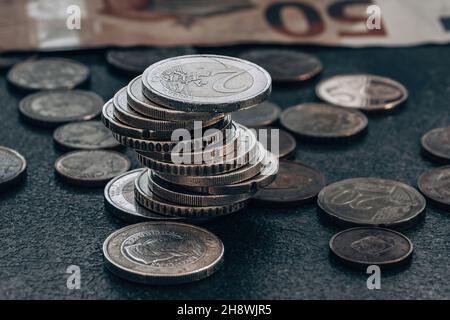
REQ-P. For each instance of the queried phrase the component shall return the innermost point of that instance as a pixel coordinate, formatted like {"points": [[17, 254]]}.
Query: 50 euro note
{"points": [[71, 24]]}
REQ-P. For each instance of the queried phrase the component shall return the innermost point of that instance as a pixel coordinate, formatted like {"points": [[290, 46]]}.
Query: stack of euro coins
{"points": [[176, 116]]}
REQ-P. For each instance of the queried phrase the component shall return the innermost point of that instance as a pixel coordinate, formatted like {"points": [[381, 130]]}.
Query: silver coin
{"points": [[12, 167], [91, 168], [372, 202], [206, 83], [362, 91], [262, 114], [88, 135], [163, 253], [323, 121], [48, 74], [53, 108], [437, 143]]}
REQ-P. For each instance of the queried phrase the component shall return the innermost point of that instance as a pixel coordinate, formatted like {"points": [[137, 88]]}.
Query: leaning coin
{"points": [[437, 143], [135, 60], [277, 141], [48, 74], [285, 65], [206, 83], [91, 168], [12, 168], [84, 135], [323, 121], [52, 108], [163, 253], [362, 91], [295, 183], [361, 247], [263, 114], [435, 185], [372, 202]]}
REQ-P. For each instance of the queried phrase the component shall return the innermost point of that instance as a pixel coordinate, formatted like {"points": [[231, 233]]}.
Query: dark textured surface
{"points": [[45, 225]]}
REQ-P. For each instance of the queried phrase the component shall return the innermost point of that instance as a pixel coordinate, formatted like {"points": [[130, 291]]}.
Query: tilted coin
{"points": [[91, 168], [362, 91], [206, 83], [437, 143], [12, 167], [48, 74], [263, 114], [84, 135], [163, 253], [295, 183], [372, 202], [285, 65], [323, 121], [435, 185], [277, 141], [135, 60], [52, 108], [362, 247]]}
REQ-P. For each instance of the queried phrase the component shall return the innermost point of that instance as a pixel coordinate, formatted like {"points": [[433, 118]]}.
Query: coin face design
{"points": [[435, 185], [91, 168], [263, 114], [361, 247], [437, 143], [163, 253], [285, 65], [84, 135], [206, 83], [318, 120], [51, 108], [12, 166], [362, 91], [294, 183], [371, 202], [48, 74]]}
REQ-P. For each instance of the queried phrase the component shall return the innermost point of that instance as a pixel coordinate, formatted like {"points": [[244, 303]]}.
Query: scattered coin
{"points": [[163, 253], [435, 185], [270, 137], [361, 247], [323, 121], [295, 183], [372, 202], [437, 143], [136, 60], [48, 74], [7, 60], [362, 91], [91, 168], [84, 135], [52, 108], [285, 65], [263, 114], [206, 83], [12, 168]]}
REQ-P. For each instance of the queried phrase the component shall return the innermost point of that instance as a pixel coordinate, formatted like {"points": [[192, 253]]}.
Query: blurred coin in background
{"points": [[436, 143], [268, 137], [263, 114]]}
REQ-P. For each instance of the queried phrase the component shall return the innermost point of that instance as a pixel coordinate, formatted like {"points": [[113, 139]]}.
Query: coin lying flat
{"points": [[361, 247], [48, 74], [295, 183], [135, 60], [285, 65], [437, 143], [206, 83], [52, 108], [263, 114], [362, 91], [435, 185], [12, 167], [163, 253], [91, 168], [372, 202], [277, 141], [84, 135], [323, 121]]}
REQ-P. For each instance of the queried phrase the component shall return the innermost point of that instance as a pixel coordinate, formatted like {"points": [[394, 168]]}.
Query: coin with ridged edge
{"points": [[12, 168], [163, 253], [206, 83]]}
